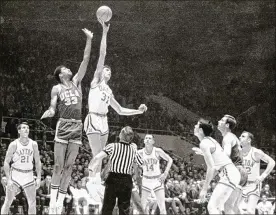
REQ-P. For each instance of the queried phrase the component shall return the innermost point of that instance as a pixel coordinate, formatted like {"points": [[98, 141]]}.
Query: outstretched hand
{"points": [[105, 26], [48, 113], [143, 108], [88, 33]]}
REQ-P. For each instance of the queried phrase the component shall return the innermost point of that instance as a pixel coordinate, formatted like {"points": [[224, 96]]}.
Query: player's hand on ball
{"points": [[105, 26], [88, 33], [202, 195], [143, 108]]}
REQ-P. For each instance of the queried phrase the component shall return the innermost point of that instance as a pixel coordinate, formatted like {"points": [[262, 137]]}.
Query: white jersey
{"points": [[99, 98], [252, 165], [219, 156], [23, 156], [151, 165]]}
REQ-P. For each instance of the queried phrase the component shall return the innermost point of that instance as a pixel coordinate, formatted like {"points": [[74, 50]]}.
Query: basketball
{"points": [[104, 13]]}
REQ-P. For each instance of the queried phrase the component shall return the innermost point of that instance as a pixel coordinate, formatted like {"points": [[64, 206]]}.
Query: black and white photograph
{"points": [[137, 107]]}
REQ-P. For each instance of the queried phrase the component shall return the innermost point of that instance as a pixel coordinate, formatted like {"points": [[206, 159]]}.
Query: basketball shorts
{"points": [[229, 176], [151, 183], [244, 176], [22, 178], [96, 124], [69, 131], [251, 188]]}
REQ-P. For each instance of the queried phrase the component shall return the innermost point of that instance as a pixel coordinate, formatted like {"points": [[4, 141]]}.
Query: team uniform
{"points": [[151, 171], [236, 156], [253, 170], [69, 125], [22, 165], [229, 174], [98, 103]]}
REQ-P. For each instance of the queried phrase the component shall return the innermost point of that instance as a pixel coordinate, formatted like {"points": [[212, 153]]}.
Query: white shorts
{"points": [[21, 178], [230, 176], [96, 124], [251, 188], [151, 183]]}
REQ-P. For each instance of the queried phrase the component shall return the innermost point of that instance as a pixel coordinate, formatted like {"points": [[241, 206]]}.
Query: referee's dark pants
{"points": [[117, 186]]}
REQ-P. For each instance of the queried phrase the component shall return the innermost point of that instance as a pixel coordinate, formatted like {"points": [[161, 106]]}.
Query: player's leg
{"points": [[11, 192], [144, 197], [96, 147], [59, 154], [70, 157], [137, 201], [30, 192], [160, 198], [252, 203], [230, 202], [237, 202], [218, 198]]}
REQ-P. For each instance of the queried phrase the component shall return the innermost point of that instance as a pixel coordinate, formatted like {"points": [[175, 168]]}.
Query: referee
{"points": [[122, 155]]}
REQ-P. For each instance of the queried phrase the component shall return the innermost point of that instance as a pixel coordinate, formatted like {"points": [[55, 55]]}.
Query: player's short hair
{"points": [[207, 127], [20, 125], [106, 66], [153, 137], [231, 121], [57, 72], [250, 135], [127, 134]]}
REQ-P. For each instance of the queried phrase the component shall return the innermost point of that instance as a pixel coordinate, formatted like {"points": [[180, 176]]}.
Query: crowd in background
{"points": [[182, 186]]}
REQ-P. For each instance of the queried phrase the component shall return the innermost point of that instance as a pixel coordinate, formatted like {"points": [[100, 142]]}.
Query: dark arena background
{"points": [[183, 59]]}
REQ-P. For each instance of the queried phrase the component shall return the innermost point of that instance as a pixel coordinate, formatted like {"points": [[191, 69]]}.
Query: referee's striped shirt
{"points": [[122, 156]]}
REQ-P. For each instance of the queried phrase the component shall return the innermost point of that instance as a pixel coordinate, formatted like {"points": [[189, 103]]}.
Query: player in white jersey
{"points": [[152, 179], [216, 160], [252, 158], [18, 167], [99, 99]]}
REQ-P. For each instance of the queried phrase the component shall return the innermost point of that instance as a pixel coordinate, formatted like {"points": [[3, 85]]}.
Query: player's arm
{"points": [[99, 69], [205, 148], [227, 145], [86, 56], [126, 111], [11, 150], [166, 157], [52, 109], [260, 155], [37, 164]]}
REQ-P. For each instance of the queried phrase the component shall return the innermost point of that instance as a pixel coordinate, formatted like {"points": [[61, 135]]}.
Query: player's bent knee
{"points": [[57, 168]]}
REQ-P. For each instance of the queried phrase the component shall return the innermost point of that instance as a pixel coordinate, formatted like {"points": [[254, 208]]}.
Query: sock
{"points": [[54, 192], [61, 196]]}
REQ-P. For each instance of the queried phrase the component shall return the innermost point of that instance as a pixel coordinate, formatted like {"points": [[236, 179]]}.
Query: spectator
{"points": [[266, 191], [44, 191], [264, 207], [80, 196]]}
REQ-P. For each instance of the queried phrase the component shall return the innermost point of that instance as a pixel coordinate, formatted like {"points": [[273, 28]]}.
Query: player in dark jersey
{"points": [[231, 145], [67, 98]]}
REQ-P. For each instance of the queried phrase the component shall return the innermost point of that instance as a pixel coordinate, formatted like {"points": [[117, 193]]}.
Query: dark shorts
{"points": [[69, 131], [244, 176]]}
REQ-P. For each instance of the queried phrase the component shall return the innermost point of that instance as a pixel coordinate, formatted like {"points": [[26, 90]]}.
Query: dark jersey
{"points": [[69, 102], [236, 154]]}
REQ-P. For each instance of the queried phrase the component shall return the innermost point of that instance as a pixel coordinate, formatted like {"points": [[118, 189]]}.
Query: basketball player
{"points": [[18, 167], [216, 159], [67, 97], [251, 160], [100, 97], [231, 146], [152, 179]]}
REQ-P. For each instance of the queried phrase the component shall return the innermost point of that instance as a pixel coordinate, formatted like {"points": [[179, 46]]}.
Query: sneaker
{"points": [[59, 209]]}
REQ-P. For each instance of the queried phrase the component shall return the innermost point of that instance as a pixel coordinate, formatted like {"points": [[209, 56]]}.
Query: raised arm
{"points": [[11, 150], [52, 109], [86, 56], [37, 164], [227, 144], [126, 111], [260, 155], [99, 69]]}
